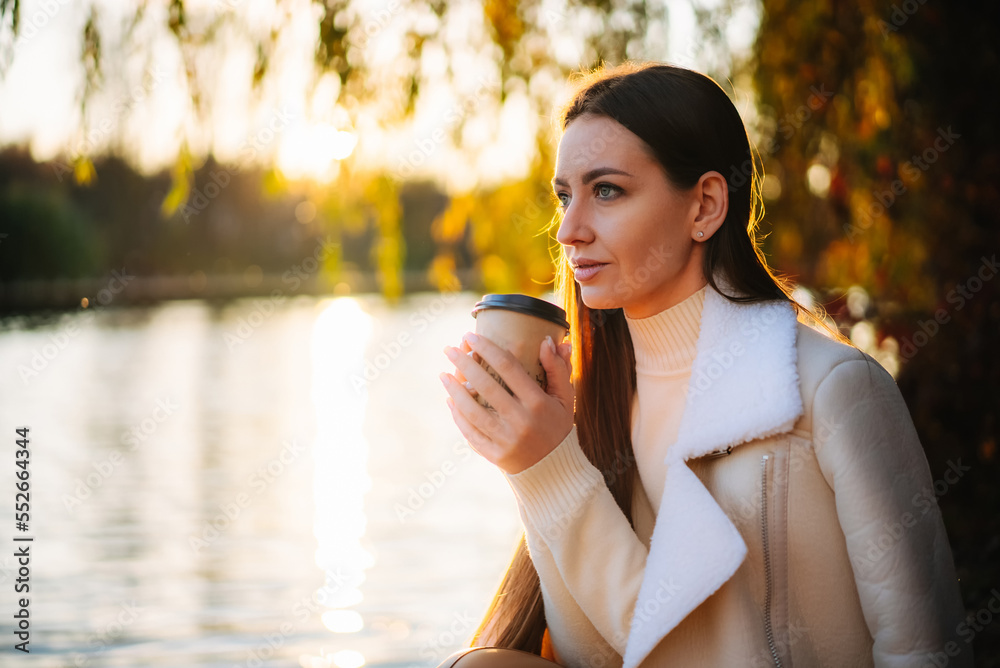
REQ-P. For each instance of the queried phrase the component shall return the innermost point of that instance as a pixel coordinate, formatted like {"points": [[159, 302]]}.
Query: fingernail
{"points": [[443, 377], [451, 353], [550, 344], [471, 338]]}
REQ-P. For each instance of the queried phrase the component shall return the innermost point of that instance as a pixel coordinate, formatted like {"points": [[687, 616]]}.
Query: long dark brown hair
{"points": [[691, 127]]}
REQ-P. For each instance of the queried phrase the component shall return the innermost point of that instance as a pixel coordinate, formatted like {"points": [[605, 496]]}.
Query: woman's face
{"points": [[620, 210]]}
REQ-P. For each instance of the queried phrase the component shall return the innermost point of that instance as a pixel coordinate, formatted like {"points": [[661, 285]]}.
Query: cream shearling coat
{"points": [[798, 524]]}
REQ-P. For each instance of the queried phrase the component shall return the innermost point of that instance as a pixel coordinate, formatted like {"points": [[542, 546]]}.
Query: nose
{"points": [[574, 228]]}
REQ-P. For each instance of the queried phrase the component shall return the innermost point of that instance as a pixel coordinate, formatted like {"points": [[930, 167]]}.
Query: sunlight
{"points": [[342, 621], [339, 338], [348, 659], [314, 151], [818, 178]]}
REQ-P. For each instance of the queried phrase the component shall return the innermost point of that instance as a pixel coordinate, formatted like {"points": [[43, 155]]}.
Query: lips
{"points": [[584, 272]]}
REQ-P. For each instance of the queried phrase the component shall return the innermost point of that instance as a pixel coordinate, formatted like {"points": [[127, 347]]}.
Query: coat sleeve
{"points": [[589, 560], [869, 453]]}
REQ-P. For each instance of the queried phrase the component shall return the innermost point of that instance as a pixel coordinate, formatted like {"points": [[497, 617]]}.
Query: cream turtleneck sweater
{"points": [[589, 559], [665, 345]]}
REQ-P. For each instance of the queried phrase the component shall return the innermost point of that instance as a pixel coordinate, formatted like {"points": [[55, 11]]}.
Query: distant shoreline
{"points": [[125, 290]]}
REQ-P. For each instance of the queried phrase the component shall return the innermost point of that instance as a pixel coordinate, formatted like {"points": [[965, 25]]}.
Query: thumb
{"points": [[557, 371], [566, 352]]}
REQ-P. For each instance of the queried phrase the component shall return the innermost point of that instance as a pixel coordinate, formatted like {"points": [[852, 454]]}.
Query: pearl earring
{"points": [[701, 234]]}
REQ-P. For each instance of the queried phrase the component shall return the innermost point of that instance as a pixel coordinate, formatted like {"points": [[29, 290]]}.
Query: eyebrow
{"points": [[591, 175]]}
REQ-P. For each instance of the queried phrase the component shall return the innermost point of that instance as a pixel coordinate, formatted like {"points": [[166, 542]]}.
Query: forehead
{"points": [[590, 139]]}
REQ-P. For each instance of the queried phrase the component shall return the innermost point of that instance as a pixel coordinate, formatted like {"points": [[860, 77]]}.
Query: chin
{"points": [[596, 299]]}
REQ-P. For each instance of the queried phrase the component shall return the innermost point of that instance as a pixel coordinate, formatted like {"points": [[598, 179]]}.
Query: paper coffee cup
{"points": [[518, 323]]}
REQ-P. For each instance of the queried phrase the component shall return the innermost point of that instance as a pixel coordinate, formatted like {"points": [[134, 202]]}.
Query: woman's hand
{"points": [[525, 426]]}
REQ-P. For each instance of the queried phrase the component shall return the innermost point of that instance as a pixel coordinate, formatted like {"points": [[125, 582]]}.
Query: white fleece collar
{"points": [[744, 386]]}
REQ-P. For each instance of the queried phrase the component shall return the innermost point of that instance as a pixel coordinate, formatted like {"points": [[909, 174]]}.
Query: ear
{"points": [[712, 196]]}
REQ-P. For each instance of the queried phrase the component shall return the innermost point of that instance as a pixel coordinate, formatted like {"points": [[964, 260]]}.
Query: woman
{"points": [[734, 487]]}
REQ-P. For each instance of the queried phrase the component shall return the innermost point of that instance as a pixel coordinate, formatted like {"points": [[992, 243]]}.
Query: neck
{"points": [[682, 285], [666, 342]]}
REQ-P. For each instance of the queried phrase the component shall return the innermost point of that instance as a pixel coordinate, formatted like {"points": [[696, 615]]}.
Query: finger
{"points": [[460, 376], [485, 382], [486, 421], [505, 365], [566, 353], [561, 353], [477, 440], [464, 347], [557, 374]]}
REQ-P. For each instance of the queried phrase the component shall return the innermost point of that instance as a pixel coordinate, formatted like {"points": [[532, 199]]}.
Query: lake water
{"points": [[225, 486]]}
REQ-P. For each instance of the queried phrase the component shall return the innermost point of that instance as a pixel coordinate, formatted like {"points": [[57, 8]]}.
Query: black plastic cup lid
{"points": [[523, 304]]}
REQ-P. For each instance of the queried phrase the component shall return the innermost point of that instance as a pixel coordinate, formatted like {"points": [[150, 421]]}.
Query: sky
{"points": [[144, 104]]}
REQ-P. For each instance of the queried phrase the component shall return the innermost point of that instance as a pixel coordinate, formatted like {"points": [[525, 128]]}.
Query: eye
{"points": [[606, 190]]}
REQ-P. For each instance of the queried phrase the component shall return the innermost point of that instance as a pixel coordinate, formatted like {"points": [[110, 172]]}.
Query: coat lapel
{"points": [[744, 386]]}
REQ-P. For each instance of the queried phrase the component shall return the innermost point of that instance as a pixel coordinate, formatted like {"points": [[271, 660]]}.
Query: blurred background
{"points": [[235, 236]]}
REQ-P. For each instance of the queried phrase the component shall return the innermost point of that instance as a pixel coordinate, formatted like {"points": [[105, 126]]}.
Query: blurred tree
{"points": [[422, 202], [44, 236], [880, 144], [524, 49], [115, 223]]}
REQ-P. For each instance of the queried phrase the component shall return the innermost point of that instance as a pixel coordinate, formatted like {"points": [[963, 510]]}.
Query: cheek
{"points": [[649, 260], [649, 248], [660, 242]]}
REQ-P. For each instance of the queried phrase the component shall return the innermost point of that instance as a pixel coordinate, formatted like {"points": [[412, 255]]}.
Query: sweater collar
{"points": [[744, 385], [667, 341]]}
